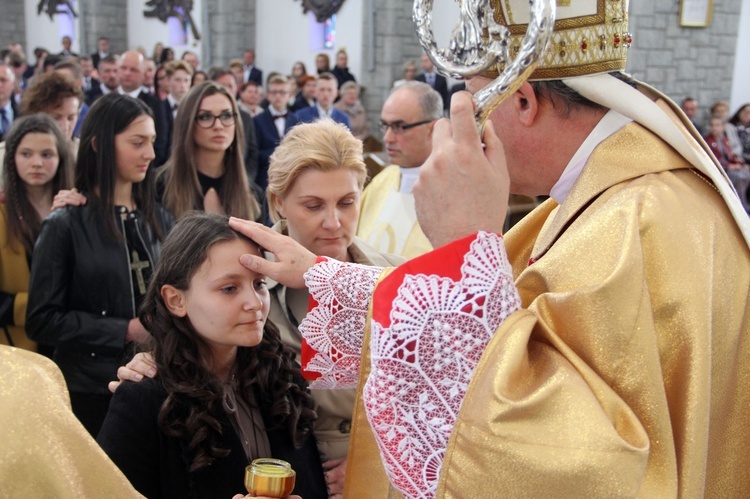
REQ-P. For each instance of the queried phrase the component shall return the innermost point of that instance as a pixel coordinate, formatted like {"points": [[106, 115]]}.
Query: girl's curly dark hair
{"points": [[182, 357]]}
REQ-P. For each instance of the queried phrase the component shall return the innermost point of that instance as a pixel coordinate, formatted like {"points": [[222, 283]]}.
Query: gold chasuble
{"points": [[388, 220], [625, 372], [46, 452]]}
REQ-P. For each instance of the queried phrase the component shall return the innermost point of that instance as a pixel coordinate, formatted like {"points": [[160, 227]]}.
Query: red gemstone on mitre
{"points": [[584, 46]]}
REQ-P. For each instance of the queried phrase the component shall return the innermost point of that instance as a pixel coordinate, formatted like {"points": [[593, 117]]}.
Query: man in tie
{"points": [[433, 79], [272, 124], [87, 67], [132, 66], [179, 74], [8, 108], [251, 72], [326, 90]]}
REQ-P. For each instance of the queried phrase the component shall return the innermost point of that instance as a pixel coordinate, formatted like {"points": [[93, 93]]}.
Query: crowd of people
{"points": [[142, 199]]}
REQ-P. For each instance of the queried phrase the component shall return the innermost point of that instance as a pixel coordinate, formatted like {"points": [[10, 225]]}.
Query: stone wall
{"points": [[394, 42], [229, 29], [13, 25], [103, 18], [680, 61]]}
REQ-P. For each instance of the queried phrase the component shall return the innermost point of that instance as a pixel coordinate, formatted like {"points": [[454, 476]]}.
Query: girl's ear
{"points": [[174, 299], [93, 143]]}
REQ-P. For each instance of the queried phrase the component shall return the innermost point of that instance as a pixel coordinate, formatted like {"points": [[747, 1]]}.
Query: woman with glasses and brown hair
{"points": [[205, 170]]}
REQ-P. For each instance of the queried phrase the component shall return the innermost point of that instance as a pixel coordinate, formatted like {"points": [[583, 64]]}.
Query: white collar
{"points": [[608, 125], [408, 177], [134, 94]]}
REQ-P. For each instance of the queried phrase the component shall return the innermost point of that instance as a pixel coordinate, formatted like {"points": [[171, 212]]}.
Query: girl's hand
{"points": [[68, 198]]}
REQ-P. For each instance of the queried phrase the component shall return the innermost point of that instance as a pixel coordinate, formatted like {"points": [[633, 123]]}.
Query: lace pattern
{"points": [[335, 328], [422, 362]]}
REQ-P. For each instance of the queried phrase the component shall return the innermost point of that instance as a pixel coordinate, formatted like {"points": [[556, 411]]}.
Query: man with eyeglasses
{"points": [[388, 220]]}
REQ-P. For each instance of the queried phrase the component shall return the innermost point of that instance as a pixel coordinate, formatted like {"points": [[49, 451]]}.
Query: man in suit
{"points": [[67, 50], [251, 72], [433, 79], [110, 80], [102, 52], [88, 82], [326, 90], [226, 77], [8, 108], [179, 74], [131, 70], [272, 124]]}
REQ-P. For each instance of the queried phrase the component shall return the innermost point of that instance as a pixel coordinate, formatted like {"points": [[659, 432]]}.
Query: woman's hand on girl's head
{"points": [[292, 260], [67, 197]]}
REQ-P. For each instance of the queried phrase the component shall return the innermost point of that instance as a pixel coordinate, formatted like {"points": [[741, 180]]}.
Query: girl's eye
{"points": [[48, 155], [137, 144], [260, 284], [228, 290]]}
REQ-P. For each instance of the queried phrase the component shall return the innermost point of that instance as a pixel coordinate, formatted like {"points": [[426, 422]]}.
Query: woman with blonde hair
{"points": [[205, 170], [315, 181]]}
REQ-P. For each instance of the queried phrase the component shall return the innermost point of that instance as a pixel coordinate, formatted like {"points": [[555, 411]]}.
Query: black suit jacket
{"points": [[268, 139], [95, 58], [255, 75], [157, 465], [299, 103], [251, 146], [161, 146], [16, 115], [440, 86]]}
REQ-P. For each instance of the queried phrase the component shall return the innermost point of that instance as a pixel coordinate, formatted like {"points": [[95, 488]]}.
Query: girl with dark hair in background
{"points": [[228, 390], [92, 263], [37, 164]]}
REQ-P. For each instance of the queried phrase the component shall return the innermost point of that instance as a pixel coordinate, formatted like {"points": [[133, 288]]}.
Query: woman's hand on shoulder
{"points": [[141, 365], [68, 197]]}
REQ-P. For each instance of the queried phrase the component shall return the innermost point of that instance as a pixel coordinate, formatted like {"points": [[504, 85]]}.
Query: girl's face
{"points": [[134, 150], [198, 79], [227, 303], [37, 158], [219, 136], [745, 116], [321, 210], [66, 116], [298, 70]]}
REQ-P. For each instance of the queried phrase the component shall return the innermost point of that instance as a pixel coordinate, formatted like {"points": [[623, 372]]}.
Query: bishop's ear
{"points": [[174, 299]]}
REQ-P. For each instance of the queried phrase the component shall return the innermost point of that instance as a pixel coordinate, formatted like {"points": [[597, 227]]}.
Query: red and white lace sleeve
{"points": [[432, 318], [333, 329]]}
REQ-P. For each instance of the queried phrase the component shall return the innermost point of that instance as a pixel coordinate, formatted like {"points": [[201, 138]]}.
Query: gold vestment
{"points": [[46, 452], [626, 372]]}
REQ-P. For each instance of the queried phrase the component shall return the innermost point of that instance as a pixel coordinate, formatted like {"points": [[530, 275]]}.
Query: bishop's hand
{"points": [[463, 187], [292, 259]]}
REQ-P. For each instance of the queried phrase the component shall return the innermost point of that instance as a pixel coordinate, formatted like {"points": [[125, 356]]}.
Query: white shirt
{"points": [[608, 125], [134, 94], [408, 177], [322, 113], [173, 105], [279, 123]]}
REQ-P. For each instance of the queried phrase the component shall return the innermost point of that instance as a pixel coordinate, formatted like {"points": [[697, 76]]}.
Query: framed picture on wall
{"points": [[696, 13]]}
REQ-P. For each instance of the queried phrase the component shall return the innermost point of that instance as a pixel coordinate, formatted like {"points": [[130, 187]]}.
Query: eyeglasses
{"points": [[207, 120], [399, 127]]}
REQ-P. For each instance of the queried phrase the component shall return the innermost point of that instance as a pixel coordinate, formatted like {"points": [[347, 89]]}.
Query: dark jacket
{"points": [[342, 75], [268, 139], [310, 114], [157, 465], [440, 86], [80, 298], [161, 145]]}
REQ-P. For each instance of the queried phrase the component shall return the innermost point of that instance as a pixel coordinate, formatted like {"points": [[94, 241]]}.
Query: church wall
{"points": [[146, 32], [230, 28], [682, 61], [13, 26], [286, 35]]}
